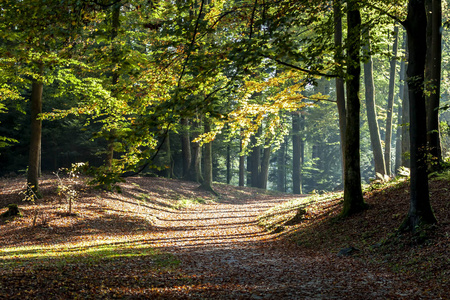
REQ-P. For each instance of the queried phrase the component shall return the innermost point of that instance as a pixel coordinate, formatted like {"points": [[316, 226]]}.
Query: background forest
{"points": [[240, 92]]}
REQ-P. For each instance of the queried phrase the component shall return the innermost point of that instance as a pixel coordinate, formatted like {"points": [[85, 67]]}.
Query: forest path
{"points": [[230, 257]]}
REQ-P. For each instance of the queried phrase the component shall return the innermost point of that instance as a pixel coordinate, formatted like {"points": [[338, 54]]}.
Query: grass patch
{"points": [[86, 253]]}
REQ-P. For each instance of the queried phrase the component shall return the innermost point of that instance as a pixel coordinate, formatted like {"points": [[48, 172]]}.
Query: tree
{"points": [[374, 131], [433, 80], [420, 212], [296, 155], [390, 104], [353, 199]]}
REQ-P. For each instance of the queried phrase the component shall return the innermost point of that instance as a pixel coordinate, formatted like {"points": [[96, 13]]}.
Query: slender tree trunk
{"points": [[185, 147], [296, 154], [374, 130], [196, 157], [433, 78], [340, 91], [264, 173], [353, 199], [281, 168], [420, 211], [207, 161], [401, 93], [228, 163], [255, 157], [390, 107], [36, 134], [169, 160], [241, 167]]}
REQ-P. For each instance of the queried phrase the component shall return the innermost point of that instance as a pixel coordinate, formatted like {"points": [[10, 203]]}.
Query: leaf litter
{"points": [[143, 244]]}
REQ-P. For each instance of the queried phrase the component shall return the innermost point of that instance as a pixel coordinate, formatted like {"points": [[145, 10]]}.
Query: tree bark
{"points": [[401, 94], [185, 147], [264, 173], [241, 167], [420, 211], [207, 161], [433, 79], [340, 91], [390, 106], [115, 24], [372, 120], [353, 199], [296, 154], [37, 88], [255, 158], [281, 168], [195, 169]]}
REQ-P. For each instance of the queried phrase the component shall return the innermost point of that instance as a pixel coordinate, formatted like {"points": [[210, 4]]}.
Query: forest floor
{"points": [[168, 239]]}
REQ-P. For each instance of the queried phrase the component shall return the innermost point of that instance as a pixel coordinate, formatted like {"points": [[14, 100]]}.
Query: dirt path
{"points": [[223, 253], [230, 257]]}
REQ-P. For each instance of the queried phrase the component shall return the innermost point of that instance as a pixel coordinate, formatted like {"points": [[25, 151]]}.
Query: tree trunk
{"points": [[420, 211], [228, 163], [207, 161], [255, 158], [372, 120], [433, 79], [168, 159], [340, 91], [195, 168], [115, 24], [281, 168], [37, 88], [401, 93], [353, 199], [185, 147], [296, 154], [241, 167], [264, 173], [390, 107]]}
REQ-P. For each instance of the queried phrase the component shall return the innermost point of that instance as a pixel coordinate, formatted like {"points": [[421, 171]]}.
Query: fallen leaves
{"points": [[135, 245]]}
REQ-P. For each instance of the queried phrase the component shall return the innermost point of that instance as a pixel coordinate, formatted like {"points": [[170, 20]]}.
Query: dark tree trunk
{"points": [[115, 24], [207, 161], [353, 199], [406, 141], [340, 91], [255, 158], [433, 77], [228, 163], [185, 147], [420, 211], [168, 158], [36, 134], [241, 167], [372, 120], [281, 168], [390, 106], [296, 154]]}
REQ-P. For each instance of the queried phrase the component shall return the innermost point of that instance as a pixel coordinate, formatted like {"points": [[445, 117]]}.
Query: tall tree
{"points": [[296, 154], [353, 199], [433, 80], [374, 131], [390, 104], [340, 91], [36, 132], [420, 211]]}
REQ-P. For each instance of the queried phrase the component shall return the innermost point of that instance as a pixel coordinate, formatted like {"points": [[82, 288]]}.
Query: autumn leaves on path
{"points": [[223, 250], [136, 245]]}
